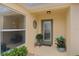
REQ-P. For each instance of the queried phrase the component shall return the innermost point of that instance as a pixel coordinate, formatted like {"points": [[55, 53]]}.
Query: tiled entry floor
{"points": [[47, 51]]}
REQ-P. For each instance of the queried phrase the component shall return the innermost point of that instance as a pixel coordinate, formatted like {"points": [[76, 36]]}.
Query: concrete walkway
{"points": [[47, 51]]}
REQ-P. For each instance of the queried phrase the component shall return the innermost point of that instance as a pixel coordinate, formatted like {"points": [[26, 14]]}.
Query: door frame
{"points": [[43, 20]]}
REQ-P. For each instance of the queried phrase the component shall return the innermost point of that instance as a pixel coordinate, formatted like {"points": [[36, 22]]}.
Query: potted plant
{"points": [[39, 38], [60, 42]]}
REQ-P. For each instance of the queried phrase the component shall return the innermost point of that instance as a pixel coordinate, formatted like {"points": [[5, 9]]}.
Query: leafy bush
{"points": [[39, 37], [22, 51], [60, 42]]}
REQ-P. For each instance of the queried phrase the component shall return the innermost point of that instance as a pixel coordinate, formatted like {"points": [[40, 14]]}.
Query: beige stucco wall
{"points": [[58, 17], [74, 30], [68, 30]]}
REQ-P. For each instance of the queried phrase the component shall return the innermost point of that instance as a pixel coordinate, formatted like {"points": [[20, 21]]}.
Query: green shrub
{"points": [[22, 51], [39, 37], [60, 42]]}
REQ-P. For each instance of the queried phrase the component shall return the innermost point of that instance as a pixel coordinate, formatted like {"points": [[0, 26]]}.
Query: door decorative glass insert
{"points": [[47, 31]]}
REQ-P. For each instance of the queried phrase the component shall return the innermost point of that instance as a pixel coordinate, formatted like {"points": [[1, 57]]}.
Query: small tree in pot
{"points": [[60, 42], [39, 38]]}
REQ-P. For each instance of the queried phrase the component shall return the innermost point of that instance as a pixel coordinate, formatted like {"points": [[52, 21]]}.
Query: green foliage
{"points": [[22, 51], [39, 37], [60, 42]]}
